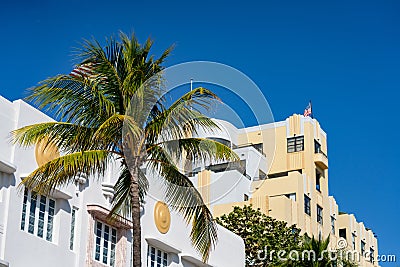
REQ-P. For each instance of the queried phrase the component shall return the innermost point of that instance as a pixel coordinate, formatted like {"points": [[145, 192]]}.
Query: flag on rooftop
{"points": [[308, 110], [81, 71]]}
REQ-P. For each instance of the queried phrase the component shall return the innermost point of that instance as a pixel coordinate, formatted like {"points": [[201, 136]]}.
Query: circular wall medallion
{"points": [[162, 217], [45, 153]]}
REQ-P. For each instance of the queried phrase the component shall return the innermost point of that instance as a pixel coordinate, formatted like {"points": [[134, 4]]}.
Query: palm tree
{"points": [[100, 111], [316, 253]]}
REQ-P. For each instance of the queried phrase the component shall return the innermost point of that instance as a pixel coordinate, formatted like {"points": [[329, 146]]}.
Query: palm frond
{"points": [[63, 170], [121, 203], [199, 150], [111, 131], [180, 119], [69, 98], [68, 137]]}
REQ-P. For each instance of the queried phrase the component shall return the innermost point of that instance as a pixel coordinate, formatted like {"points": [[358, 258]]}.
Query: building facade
{"points": [[69, 227], [284, 172]]}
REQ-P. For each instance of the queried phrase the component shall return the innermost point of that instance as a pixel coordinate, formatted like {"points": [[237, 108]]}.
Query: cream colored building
{"points": [[284, 172]]}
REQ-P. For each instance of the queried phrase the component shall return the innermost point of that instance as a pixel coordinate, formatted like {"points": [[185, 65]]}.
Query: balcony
{"points": [[239, 166], [258, 147], [321, 159]]}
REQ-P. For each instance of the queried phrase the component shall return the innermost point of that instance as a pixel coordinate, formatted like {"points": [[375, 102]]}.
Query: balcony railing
{"points": [[257, 147], [319, 151]]}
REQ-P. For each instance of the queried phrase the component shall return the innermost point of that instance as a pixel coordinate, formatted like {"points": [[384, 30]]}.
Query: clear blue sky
{"points": [[344, 55]]}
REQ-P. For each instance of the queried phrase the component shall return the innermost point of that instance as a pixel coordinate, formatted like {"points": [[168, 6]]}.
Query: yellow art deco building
{"points": [[285, 165]]}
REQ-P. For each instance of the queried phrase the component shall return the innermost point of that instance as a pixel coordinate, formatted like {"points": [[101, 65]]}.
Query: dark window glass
{"points": [[342, 233], [362, 248], [32, 210], [23, 218], [295, 144], [333, 224], [42, 209], [371, 254], [318, 176], [50, 216], [319, 214], [317, 147], [307, 205]]}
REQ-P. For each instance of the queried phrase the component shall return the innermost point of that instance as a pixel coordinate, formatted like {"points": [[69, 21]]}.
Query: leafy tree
{"points": [[263, 236], [93, 107]]}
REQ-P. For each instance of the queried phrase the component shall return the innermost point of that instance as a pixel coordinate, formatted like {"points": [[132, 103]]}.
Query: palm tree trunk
{"points": [[135, 205]]}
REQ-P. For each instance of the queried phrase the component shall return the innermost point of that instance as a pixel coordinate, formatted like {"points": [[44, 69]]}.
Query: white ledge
{"points": [[7, 167], [162, 245], [4, 263], [58, 193], [55, 193], [195, 261]]}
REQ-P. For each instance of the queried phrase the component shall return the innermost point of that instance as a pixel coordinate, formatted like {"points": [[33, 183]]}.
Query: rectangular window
{"points": [[245, 197], [295, 144], [32, 212], [291, 196], [39, 207], [262, 175], [353, 240], [371, 255], [333, 224], [317, 147], [50, 217], [72, 233], [259, 147], [362, 248], [156, 257], [318, 176], [319, 214], [42, 210], [342, 233], [24, 203], [307, 205], [105, 240]]}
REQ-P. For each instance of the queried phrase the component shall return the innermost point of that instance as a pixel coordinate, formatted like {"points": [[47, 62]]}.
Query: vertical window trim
{"points": [[24, 208], [50, 219], [72, 229]]}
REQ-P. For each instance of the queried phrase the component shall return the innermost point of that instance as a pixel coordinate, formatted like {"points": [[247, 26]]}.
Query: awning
{"points": [[162, 245], [4, 263], [195, 261], [55, 193], [102, 213], [7, 167]]}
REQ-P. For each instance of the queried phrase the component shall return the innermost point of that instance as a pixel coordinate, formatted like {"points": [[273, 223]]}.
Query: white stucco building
{"points": [[68, 227]]}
